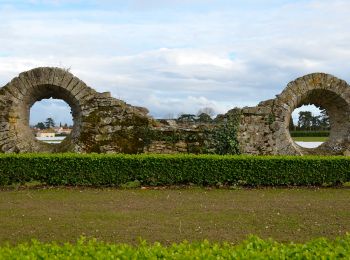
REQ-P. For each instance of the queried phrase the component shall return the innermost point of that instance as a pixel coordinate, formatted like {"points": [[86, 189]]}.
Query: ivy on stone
{"points": [[224, 136]]}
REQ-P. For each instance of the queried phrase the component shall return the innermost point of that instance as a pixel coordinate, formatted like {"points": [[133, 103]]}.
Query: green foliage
{"points": [[217, 136], [118, 169], [206, 110], [309, 133], [204, 118], [307, 121], [186, 118], [131, 184], [225, 141], [224, 136], [40, 125], [252, 248], [49, 123]]}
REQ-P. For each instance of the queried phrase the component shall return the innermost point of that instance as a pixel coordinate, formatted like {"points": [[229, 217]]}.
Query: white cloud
{"points": [[189, 104], [56, 109], [181, 59]]}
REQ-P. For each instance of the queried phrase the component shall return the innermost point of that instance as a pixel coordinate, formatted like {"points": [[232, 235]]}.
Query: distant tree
{"points": [[65, 125], [315, 122], [187, 118], [220, 118], [207, 110], [169, 116], [204, 118], [324, 120], [49, 123], [305, 120], [40, 125]]}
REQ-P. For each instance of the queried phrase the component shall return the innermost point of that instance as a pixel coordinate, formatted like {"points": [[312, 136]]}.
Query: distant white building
{"points": [[62, 130], [46, 133]]}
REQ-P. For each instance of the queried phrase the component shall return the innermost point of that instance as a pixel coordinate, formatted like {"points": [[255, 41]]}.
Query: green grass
{"points": [[173, 215], [310, 139]]}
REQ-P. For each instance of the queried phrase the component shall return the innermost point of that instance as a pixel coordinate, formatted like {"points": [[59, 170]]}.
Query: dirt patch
{"points": [[173, 215]]}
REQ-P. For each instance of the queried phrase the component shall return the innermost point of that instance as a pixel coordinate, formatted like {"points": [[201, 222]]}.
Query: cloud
{"points": [[172, 56], [190, 105], [56, 109]]}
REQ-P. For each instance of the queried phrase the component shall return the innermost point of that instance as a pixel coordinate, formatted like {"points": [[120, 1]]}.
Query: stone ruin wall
{"points": [[188, 139], [103, 124], [264, 128]]}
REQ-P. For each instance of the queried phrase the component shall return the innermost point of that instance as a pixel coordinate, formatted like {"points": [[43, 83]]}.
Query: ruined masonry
{"points": [[103, 124], [264, 129]]}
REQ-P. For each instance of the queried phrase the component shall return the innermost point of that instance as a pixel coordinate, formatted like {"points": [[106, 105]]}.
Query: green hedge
{"points": [[309, 133], [115, 170], [252, 248]]}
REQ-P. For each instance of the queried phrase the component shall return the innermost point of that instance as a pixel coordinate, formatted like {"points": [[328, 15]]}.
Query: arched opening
{"points": [[336, 110], [309, 126], [51, 120], [49, 93]]}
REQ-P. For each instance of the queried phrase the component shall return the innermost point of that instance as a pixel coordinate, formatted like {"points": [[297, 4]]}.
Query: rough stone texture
{"points": [[101, 123], [104, 124], [176, 139], [264, 128]]}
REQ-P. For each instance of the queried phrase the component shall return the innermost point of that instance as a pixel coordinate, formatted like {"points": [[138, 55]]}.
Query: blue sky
{"points": [[175, 56]]}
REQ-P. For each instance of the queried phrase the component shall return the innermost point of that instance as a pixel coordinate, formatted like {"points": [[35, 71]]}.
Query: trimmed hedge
{"points": [[309, 133], [118, 169], [252, 248]]}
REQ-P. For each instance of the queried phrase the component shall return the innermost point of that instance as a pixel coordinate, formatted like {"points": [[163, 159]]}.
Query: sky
{"points": [[176, 56]]}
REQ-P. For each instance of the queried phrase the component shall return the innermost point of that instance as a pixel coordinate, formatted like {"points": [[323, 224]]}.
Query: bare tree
{"points": [[207, 110], [169, 116]]}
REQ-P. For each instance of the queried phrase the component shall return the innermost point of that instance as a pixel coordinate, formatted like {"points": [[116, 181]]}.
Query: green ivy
{"points": [[271, 118], [219, 137], [224, 136]]}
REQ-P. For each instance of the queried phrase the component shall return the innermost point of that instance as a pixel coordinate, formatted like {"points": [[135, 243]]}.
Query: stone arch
{"points": [[101, 122], [22, 92], [324, 91], [104, 124]]}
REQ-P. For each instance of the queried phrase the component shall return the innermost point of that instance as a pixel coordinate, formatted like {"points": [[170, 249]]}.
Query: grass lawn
{"points": [[310, 139], [173, 215]]}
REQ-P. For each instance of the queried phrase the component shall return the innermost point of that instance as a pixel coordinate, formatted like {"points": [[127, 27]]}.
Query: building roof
{"points": [[49, 130]]}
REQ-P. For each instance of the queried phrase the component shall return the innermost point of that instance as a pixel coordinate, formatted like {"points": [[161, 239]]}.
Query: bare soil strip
{"points": [[173, 215]]}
